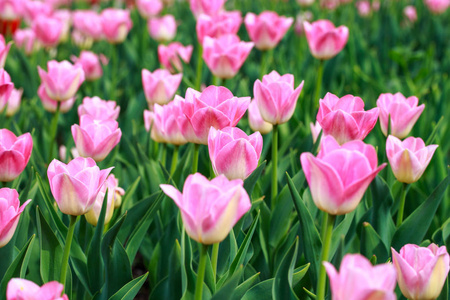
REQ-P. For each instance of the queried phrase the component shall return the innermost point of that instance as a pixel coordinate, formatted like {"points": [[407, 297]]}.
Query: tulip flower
{"points": [[13, 102], [32, 10], [207, 7], [99, 109], [65, 16], [88, 23], [91, 64], [225, 55], [408, 159], [401, 112], [421, 271], [364, 8], [216, 107], [116, 23], [10, 210], [149, 8], [26, 40], [329, 4], [299, 28], [6, 88], [4, 49], [339, 175], [11, 10], [96, 138], [267, 29], [410, 13], [233, 153], [222, 24], [315, 131], [163, 29], [75, 186], [324, 39], [437, 6], [255, 120], [160, 86], [48, 30], [169, 56], [62, 80], [19, 289], [51, 105], [15, 153], [344, 118], [276, 97], [358, 279]]}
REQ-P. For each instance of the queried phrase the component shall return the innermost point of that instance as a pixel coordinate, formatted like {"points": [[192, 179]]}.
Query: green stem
{"points": [[163, 154], [326, 241], [53, 130], [65, 260], [201, 272], [274, 164], [214, 258], [173, 166], [195, 158], [216, 81], [318, 86], [401, 208], [198, 75]]}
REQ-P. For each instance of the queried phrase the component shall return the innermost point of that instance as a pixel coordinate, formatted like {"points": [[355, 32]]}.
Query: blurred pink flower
{"points": [[169, 56], [364, 8], [160, 86], [11, 9], [89, 23], [325, 41], [26, 39], [4, 49], [15, 153], [116, 23], [305, 2], [162, 29], [51, 105], [329, 4], [216, 26], [207, 7], [255, 120], [437, 6], [315, 131], [91, 64], [48, 30], [410, 13], [6, 88], [13, 103], [149, 8], [20, 289], [299, 21], [10, 211], [99, 109], [33, 9]]}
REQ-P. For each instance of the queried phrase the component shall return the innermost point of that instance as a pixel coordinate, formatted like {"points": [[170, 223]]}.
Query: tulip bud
{"points": [[324, 39]]}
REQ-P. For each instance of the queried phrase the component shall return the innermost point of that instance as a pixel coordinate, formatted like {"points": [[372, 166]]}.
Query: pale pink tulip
{"points": [[315, 131], [216, 26], [345, 118], [207, 7], [149, 8], [6, 88], [255, 120], [13, 103], [48, 30], [96, 138], [160, 86], [410, 13], [62, 80], [225, 55], [75, 186], [421, 271], [162, 29], [4, 49], [116, 24], [88, 23], [364, 8], [408, 159], [276, 97], [11, 9], [339, 175], [21, 289], [437, 6], [31, 10], [324, 39], [216, 107], [267, 29], [26, 40], [91, 64], [401, 111], [99, 109], [209, 209], [15, 153], [169, 56], [358, 279], [10, 210], [65, 16], [233, 153], [51, 105]]}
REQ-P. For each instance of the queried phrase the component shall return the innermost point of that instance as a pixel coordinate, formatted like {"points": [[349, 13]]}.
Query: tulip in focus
{"points": [[26, 40], [421, 271], [75, 186], [160, 86], [209, 209], [408, 159], [276, 97], [255, 120], [91, 64], [222, 24], [48, 30], [149, 8], [169, 56], [21, 289], [410, 13], [344, 118], [437, 6], [4, 49], [99, 109], [162, 29], [116, 23], [324, 39], [357, 279], [207, 7], [267, 29], [403, 113], [339, 176], [51, 105], [15, 153], [10, 210]]}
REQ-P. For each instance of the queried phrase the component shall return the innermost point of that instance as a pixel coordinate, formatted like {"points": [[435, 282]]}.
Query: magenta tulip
{"points": [[222, 24], [255, 120], [75, 186], [324, 39], [276, 97], [51, 105], [21, 289], [437, 6], [149, 8], [421, 271], [344, 118], [207, 7], [160, 86], [339, 175], [209, 209], [162, 29], [10, 210], [15, 153], [116, 23], [357, 279], [408, 159], [4, 49], [48, 30], [169, 56], [91, 64], [99, 109]]}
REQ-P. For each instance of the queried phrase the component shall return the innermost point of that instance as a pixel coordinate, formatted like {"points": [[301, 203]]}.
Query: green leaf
{"points": [[130, 290], [282, 286], [126, 199], [240, 291], [381, 217], [371, 244], [228, 289], [339, 231], [250, 182]]}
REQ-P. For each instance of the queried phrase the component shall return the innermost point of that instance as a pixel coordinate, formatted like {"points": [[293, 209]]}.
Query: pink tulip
{"points": [[339, 175], [216, 26], [89, 23], [4, 49], [160, 86], [358, 279], [75, 186], [216, 107], [169, 56], [51, 105], [437, 6], [149, 8], [13, 102], [11, 9], [329, 4], [6, 88], [62, 80], [421, 271], [344, 118], [163, 29], [255, 120], [116, 24], [209, 209], [410, 13], [26, 40], [403, 113], [91, 64], [267, 29], [96, 138], [65, 16], [225, 55], [15, 153], [324, 40], [364, 8], [299, 28], [99, 109], [315, 131], [10, 211], [408, 159], [233, 153], [48, 30], [276, 97], [34, 9], [207, 7], [21, 289]]}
